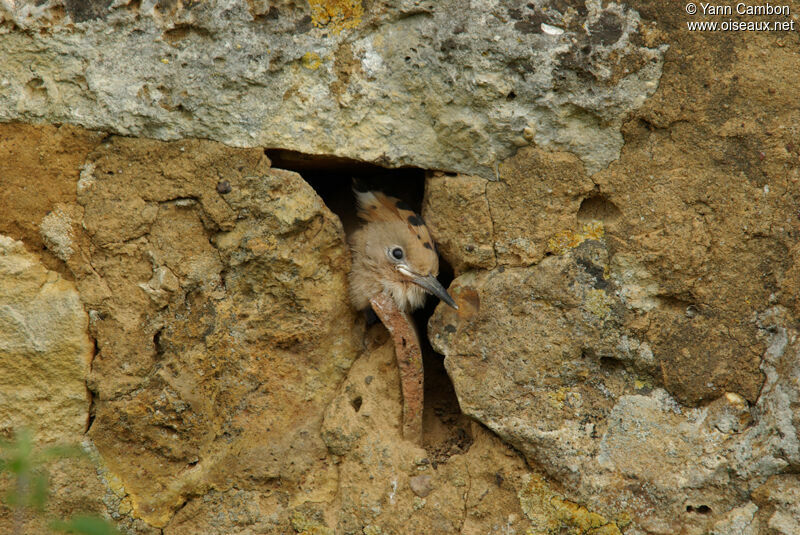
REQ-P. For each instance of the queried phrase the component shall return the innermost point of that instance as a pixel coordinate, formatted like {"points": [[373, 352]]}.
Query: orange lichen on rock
{"points": [[337, 15], [569, 239]]}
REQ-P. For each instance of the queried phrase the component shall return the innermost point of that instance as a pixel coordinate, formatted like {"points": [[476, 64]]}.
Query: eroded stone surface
{"points": [[39, 166], [45, 356], [538, 355], [631, 330], [214, 359], [45, 351], [466, 241], [693, 307], [615, 343], [778, 499], [391, 485], [409, 83]]}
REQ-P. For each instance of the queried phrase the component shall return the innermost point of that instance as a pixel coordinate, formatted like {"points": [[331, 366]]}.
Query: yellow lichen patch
{"points": [[569, 239], [556, 398], [551, 513], [306, 526], [598, 303], [311, 60], [337, 15], [640, 384]]}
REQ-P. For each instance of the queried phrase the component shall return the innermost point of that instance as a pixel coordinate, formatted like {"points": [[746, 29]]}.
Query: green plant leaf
{"points": [[38, 491], [17, 454], [30, 487], [86, 525], [12, 498]]}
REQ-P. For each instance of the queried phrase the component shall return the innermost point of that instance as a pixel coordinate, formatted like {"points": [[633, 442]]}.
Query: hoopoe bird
{"points": [[394, 264], [393, 253]]}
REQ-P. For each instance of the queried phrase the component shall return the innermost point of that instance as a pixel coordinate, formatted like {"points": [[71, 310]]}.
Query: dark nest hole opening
{"points": [[446, 431], [700, 509], [598, 208]]}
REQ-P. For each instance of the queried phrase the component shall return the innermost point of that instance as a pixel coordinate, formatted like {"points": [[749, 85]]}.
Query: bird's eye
{"points": [[397, 253]]}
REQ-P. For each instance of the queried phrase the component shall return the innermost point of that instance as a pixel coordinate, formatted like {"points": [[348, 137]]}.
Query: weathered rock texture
{"points": [[632, 332], [221, 318], [617, 196], [43, 343], [45, 354], [402, 83]]}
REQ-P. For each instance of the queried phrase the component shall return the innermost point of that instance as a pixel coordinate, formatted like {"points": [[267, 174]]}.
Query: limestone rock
{"points": [[624, 233], [739, 521], [45, 358], [45, 351], [39, 165], [421, 485], [56, 230], [456, 211], [545, 356], [409, 83], [480, 223], [550, 512], [222, 323], [779, 498], [389, 485]]}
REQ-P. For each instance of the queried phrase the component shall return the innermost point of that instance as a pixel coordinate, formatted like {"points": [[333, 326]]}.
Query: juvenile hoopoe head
{"points": [[393, 253]]}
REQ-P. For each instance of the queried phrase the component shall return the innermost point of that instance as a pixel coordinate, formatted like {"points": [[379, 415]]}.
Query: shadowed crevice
{"points": [[445, 430]]}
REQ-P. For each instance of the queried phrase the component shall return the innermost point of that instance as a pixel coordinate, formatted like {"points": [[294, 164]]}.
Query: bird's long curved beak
{"points": [[433, 286]]}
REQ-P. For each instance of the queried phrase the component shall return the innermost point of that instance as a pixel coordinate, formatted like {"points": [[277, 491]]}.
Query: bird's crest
{"points": [[375, 206]]}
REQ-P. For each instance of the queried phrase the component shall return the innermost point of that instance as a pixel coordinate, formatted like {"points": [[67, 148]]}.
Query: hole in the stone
{"points": [[356, 403], [332, 179], [607, 365], [511, 95], [611, 364], [36, 89], [700, 509], [680, 304], [446, 431], [159, 350], [598, 208]]}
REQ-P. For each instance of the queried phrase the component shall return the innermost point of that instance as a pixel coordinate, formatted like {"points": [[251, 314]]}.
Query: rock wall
{"points": [[417, 83], [618, 197]]}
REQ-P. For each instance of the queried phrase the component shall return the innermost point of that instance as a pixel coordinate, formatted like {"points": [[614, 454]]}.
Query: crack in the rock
{"points": [[491, 220], [466, 498], [178, 510], [90, 415]]}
